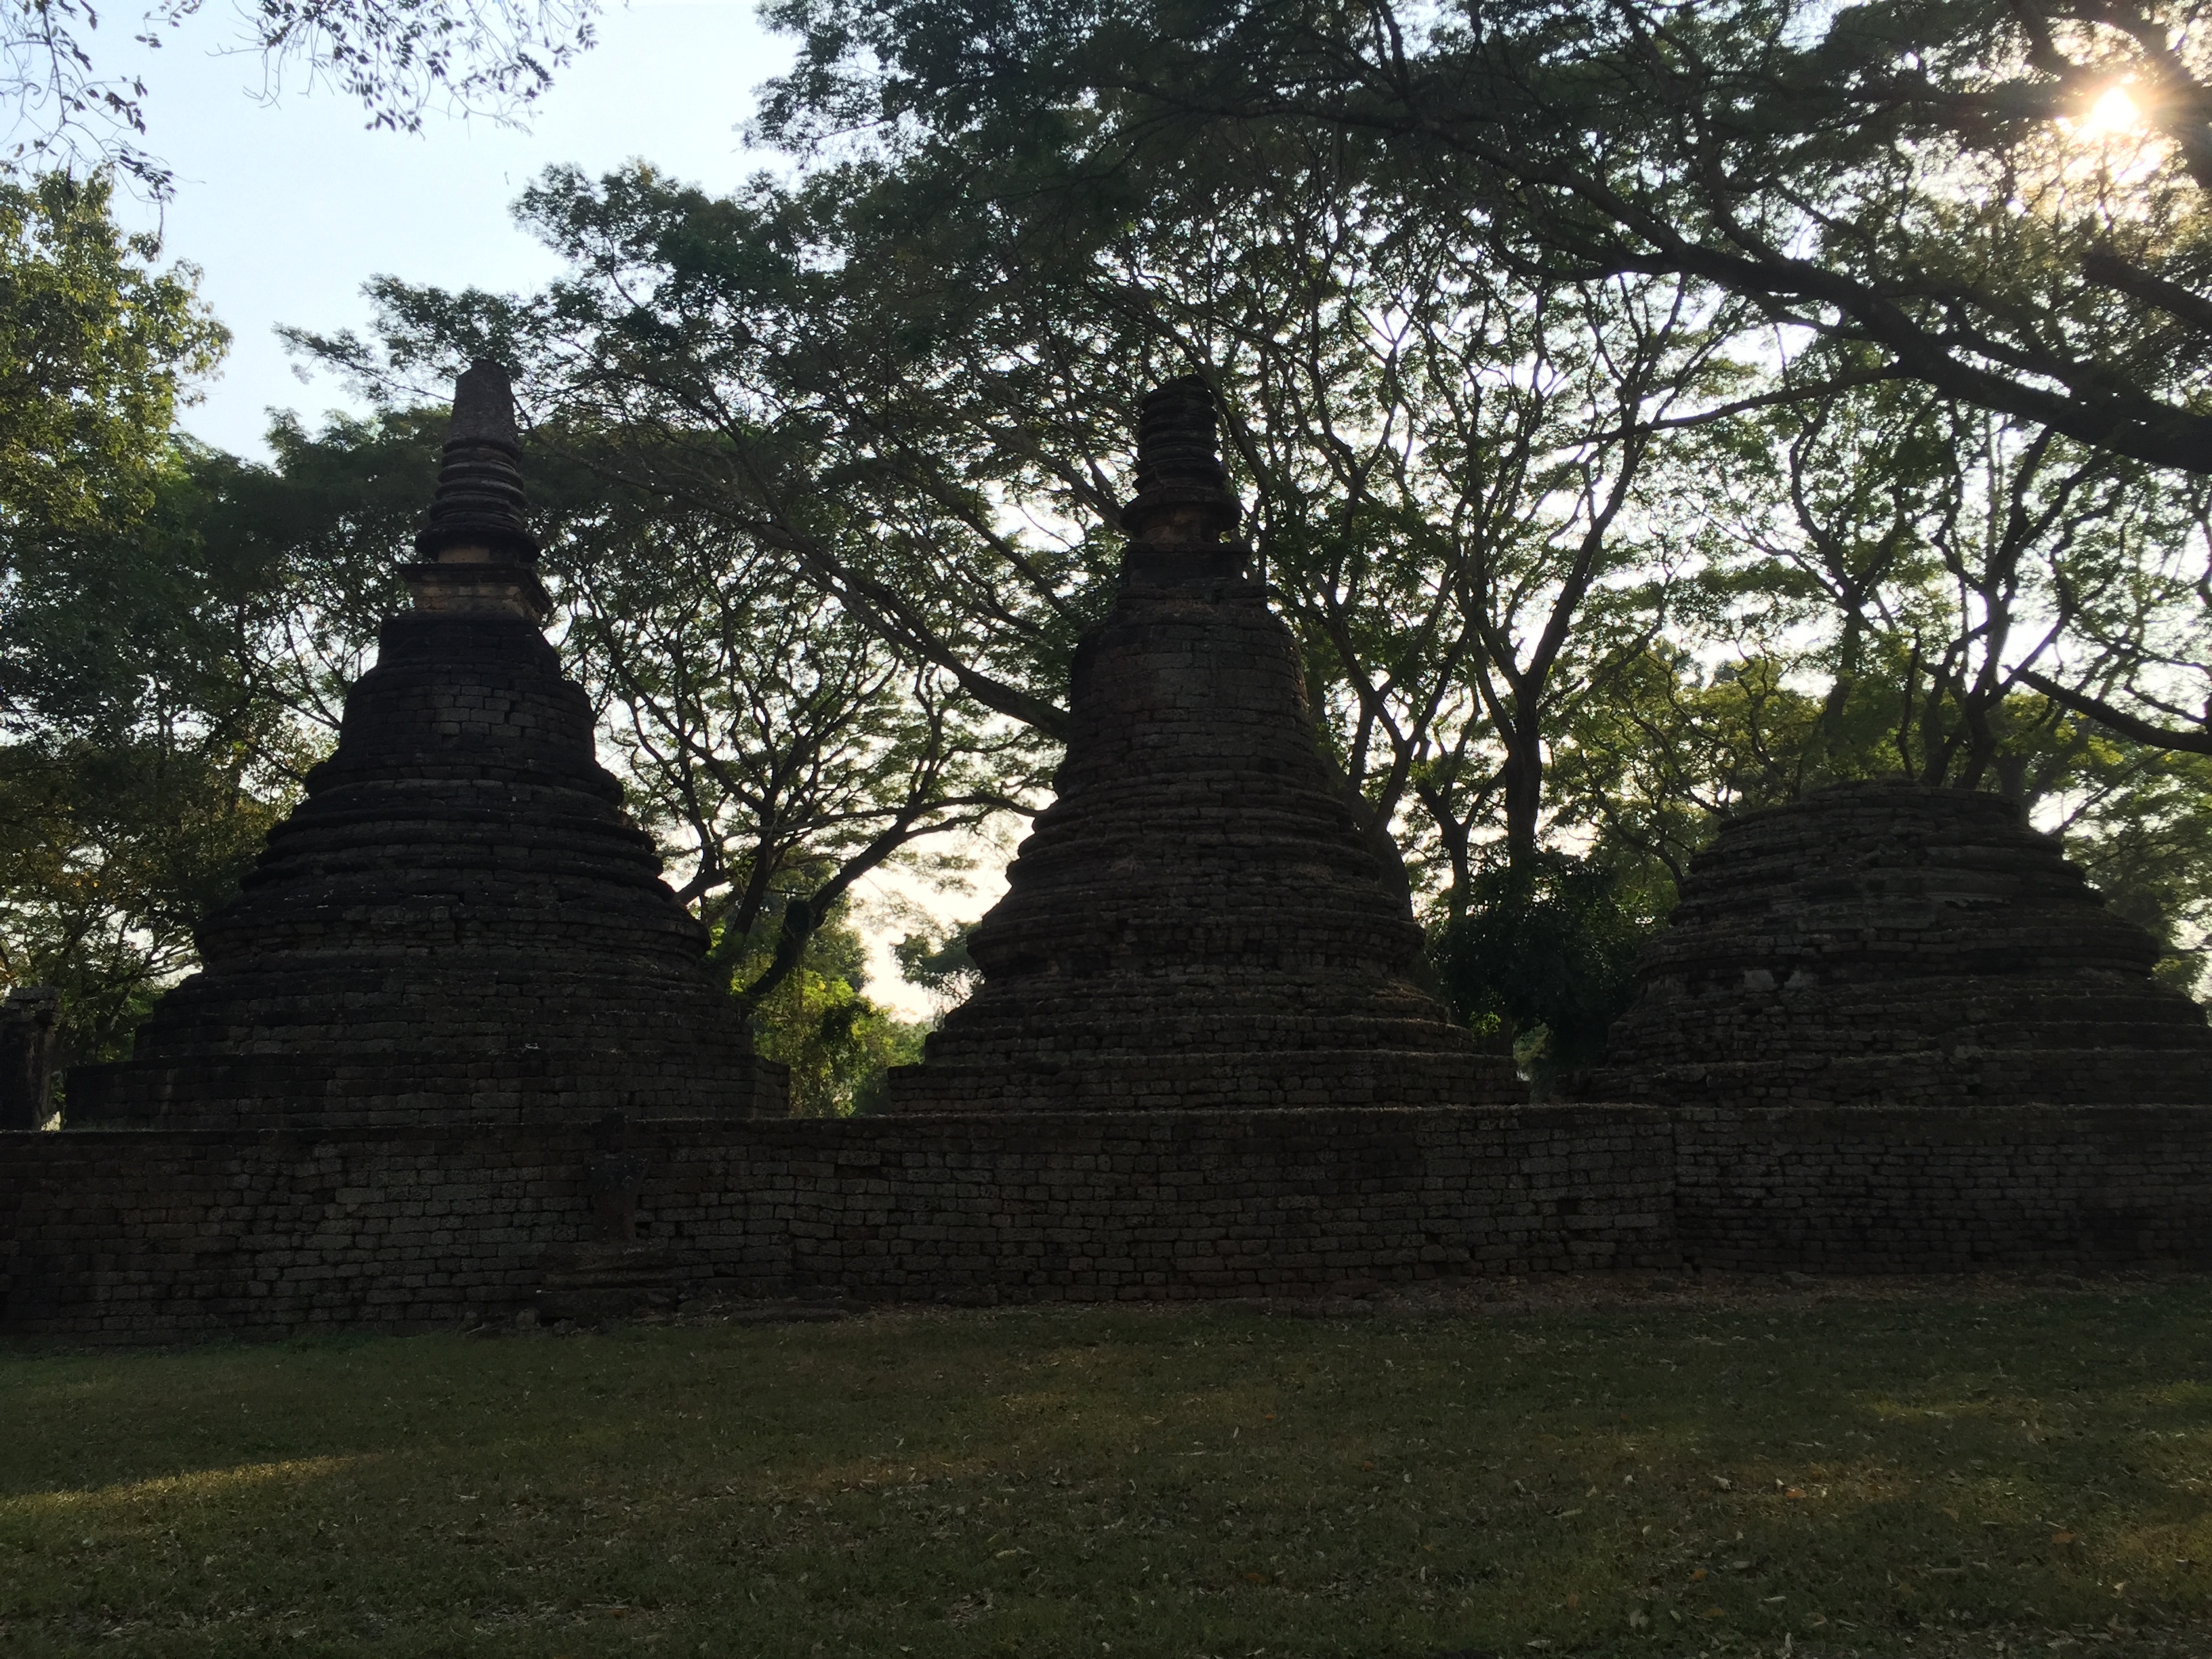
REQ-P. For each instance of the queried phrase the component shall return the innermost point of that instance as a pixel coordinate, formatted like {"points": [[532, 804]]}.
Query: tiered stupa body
{"points": [[1198, 921], [459, 924], [1886, 942]]}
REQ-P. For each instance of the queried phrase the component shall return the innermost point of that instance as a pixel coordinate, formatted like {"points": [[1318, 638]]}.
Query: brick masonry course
{"points": [[122, 1236]]}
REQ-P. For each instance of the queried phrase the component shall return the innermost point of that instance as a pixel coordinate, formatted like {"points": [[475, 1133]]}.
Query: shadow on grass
{"points": [[1882, 1477]]}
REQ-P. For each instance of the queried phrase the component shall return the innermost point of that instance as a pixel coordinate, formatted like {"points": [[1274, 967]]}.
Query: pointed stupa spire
{"points": [[478, 554], [1184, 519]]}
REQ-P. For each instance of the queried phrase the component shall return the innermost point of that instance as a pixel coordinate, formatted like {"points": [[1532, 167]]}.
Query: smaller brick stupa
{"points": [[1885, 943], [1198, 921], [459, 926]]}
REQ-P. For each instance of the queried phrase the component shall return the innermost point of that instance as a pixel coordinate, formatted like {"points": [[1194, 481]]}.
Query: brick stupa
{"points": [[1884, 942], [459, 924], [1198, 921]]}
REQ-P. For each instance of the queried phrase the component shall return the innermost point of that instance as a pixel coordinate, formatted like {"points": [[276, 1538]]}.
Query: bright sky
{"points": [[288, 208]]}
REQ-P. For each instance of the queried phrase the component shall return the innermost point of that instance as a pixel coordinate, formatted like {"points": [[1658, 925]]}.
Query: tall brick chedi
{"points": [[459, 924], [1198, 921], [1885, 943]]}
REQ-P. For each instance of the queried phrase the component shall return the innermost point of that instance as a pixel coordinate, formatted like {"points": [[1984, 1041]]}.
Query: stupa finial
{"points": [[480, 503], [477, 556], [1183, 499]]}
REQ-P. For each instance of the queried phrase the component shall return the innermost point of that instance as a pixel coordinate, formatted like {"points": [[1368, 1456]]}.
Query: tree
{"points": [[396, 58], [126, 794], [913, 382], [781, 752], [937, 959], [135, 775], [1943, 553], [109, 852], [1650, 766], [778, 753], [97, 345], [1916, 189], [1542, 959], [1513, 471], [2139, 820], [818, 1021]]}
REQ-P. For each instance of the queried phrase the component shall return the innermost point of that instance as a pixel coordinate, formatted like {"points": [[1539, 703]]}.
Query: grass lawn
{"points": [[1897, 1473]]}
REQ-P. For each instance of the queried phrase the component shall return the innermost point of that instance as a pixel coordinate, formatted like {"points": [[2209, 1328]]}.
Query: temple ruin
{"points": [[1891, 1030], [1893, 943], [459, 924], [1199, 920]]}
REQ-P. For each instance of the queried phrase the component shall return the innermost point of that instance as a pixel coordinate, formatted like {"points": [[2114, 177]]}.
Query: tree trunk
{"points": [[1524, 792]]}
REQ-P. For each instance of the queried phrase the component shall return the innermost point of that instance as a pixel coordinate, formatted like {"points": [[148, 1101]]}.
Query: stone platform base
{"points": [[509, 1093], [1229, 1081], [123, 1235]]}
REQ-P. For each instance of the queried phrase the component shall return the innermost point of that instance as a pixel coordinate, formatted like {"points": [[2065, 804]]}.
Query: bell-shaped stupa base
{"points": [[1883, 943]]}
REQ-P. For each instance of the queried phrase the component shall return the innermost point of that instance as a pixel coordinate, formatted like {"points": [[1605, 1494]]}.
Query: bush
{"points": [[1543, 960]]}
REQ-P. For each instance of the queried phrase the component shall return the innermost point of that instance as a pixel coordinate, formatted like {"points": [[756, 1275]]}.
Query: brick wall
{"points": [[1873, 1189], [119, 1235]]}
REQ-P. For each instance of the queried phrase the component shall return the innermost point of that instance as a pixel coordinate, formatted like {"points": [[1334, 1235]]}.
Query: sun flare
{"points": [[2112, 115]]}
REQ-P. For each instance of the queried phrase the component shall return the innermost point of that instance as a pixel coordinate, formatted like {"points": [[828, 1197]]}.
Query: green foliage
{"points": [[96, 346], [1903, 189], [235, 610], [2140, 823], [838, 1044], [781, 749], [1961, 345], [1543, 959], [816, 1020], [940, 962], [131, 786], [109, 852], [1654, 761], [169, 683]]}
